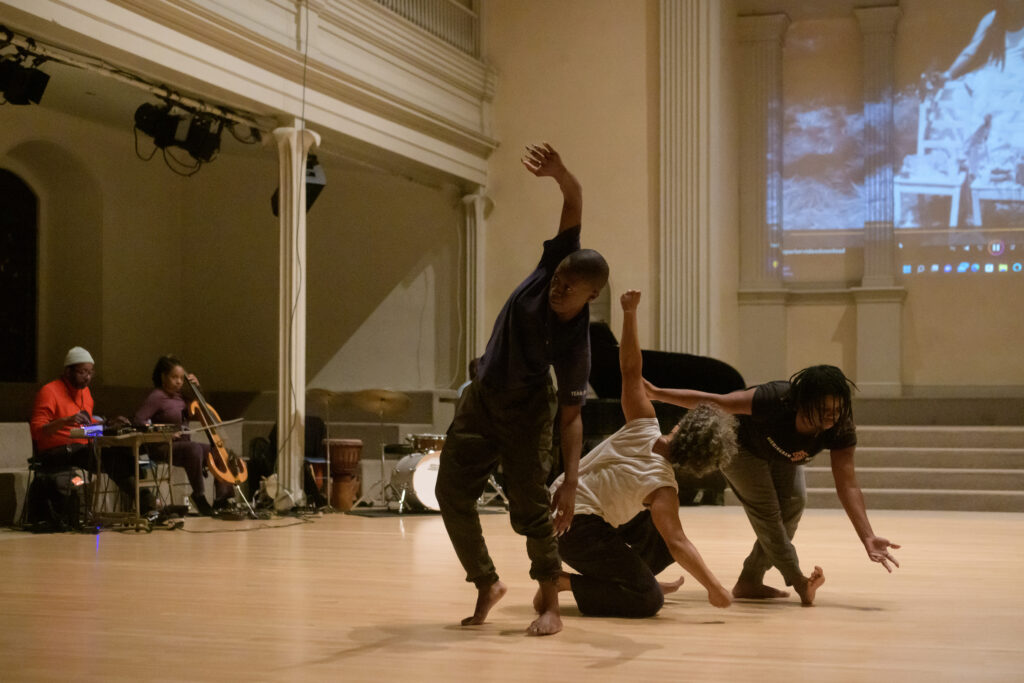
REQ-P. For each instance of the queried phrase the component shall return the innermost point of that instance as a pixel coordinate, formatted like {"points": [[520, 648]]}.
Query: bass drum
{"points": [[414, 478]]}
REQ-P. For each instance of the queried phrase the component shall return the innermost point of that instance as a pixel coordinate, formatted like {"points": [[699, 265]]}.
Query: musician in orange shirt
{"points": [[64, 404]]}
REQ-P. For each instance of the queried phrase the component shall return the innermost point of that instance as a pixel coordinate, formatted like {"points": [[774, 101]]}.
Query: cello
{"points": [[225, 465]]}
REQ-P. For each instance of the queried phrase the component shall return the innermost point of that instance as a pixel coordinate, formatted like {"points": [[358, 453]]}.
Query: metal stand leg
{"points": [[327, 478], [239, 494], [381, 483], [487, 499], [327, 486]]}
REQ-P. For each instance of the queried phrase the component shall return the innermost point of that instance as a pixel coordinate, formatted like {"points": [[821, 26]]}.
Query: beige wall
{"points": [[137, 262], [964, 332], [822, 333], [583, 75], [98, 204], [960, 331], [956, 331], [167, 264], [385, 284]]}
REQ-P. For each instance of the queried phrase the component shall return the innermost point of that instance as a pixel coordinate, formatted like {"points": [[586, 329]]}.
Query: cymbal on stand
{"points": [[321, 395], [381, 401]]}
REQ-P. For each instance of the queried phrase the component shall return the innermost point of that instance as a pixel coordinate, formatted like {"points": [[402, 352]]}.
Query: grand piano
{"points": [[603, 416]]}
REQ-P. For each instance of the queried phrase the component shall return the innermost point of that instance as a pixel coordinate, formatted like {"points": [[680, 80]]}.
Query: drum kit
{"points": [[415, 475], [412, 481]]}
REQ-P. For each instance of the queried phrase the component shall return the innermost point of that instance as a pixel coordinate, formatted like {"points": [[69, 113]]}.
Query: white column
{"points": [[292, 147], [762, 296], [474, 206], [689, 36], [761, 112], [878, 28], [879, 298]]}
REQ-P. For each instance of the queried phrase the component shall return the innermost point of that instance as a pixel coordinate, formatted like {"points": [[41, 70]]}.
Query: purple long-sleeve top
{"points": [[163, 408]]}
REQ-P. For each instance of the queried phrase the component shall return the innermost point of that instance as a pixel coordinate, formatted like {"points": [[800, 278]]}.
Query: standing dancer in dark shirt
{"points": [[505, 416], [782, 425]]}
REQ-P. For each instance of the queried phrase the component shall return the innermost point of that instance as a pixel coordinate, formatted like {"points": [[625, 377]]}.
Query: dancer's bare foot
{"points": [[564, 583], [549, 620], [814, 582], [748, 590], [672, 586], [486, 598]]}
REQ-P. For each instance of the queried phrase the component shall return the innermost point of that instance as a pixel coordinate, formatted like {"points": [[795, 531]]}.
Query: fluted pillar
{"points": [[878, 28], [879, 298], [689, 30], [762, 298], [474, 206], [292, 146]]}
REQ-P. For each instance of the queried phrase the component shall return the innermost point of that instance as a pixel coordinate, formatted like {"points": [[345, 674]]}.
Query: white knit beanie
{"points": [[77, 355]]}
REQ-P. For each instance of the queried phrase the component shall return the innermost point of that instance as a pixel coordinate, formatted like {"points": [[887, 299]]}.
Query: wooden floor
{"points": [[343, 597]]}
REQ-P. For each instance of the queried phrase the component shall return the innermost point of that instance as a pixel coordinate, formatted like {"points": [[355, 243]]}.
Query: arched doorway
{"points": [[19, 236]]}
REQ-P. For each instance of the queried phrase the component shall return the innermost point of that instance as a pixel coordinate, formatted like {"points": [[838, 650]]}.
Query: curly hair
{"points": [[164, 365], [705, 440]]}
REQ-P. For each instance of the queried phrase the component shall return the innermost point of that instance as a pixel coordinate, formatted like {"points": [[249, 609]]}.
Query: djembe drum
{"points": [[344, 455]]}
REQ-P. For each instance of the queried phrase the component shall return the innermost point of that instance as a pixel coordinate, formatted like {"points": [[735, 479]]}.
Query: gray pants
{"points": [[773, 494]]}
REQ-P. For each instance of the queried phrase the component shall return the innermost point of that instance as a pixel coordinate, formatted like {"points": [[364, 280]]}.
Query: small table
{"points": [[132, 518], [935, 185]]}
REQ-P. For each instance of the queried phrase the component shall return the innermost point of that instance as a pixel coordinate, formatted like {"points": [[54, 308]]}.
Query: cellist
{"points": [[166, 405]]}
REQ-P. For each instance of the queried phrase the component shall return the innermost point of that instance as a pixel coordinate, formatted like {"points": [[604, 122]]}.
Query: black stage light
{"points": [[203, 138], [159, 123], [315, 182], [21, 84]]}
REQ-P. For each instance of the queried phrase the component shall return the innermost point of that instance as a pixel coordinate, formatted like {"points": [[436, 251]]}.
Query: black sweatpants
{"points": [[617, 565]]}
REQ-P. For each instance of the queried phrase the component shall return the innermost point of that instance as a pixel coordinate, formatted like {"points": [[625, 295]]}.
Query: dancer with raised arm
{"points": [[627, 483], [505, 415]]}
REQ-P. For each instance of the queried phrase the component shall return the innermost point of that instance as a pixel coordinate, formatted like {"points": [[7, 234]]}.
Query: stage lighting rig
{"points": [[179, 121], [166, 127], [22, 84], [197, 133], [203, 138]]}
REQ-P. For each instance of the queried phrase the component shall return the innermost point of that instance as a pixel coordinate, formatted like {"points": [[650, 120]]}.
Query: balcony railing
{"points": [[454, 21]]}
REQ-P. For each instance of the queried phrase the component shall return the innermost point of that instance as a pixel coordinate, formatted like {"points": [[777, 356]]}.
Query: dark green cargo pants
{"points": [[511, 429]]}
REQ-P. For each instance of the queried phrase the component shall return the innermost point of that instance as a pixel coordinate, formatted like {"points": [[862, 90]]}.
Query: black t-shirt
{"points": [[769, 432], [528, 337]]}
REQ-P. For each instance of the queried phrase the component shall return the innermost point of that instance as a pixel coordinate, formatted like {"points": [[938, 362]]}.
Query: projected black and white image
{"points": [[970, 134], [957, 159]]}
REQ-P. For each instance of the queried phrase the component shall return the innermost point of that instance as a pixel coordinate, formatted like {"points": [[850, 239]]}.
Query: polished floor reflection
{"points": [[344, 597]]}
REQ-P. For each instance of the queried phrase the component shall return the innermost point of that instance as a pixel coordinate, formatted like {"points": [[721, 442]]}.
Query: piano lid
{"points": [[663, 368]]}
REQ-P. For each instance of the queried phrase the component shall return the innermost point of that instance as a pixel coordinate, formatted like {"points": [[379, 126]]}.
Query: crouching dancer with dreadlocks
{"points": [[782, 425], [617, 551]]}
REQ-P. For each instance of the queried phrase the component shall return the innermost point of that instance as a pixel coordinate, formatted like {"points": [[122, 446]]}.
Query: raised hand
{"points": [[543, 160], [630, 300]]}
